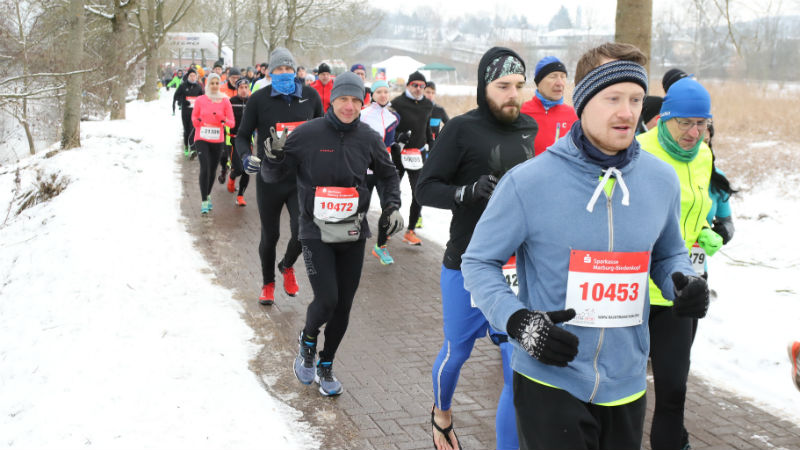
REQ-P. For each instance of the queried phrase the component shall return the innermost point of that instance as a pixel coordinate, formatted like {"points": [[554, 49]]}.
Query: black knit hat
{"points": [[324, 68], [671, 77], [430, 84], [651, 107], [234, 71], [416, 76]]}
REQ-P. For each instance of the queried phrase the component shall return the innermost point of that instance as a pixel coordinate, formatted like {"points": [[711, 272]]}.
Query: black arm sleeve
{"points": [[434, 186], [245, 132], [385, 170]]}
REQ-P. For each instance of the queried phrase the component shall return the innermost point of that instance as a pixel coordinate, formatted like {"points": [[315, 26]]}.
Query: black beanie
{"points": [[651, 107], [671, 77], [324, 68], [416, 76], [234, 71]]}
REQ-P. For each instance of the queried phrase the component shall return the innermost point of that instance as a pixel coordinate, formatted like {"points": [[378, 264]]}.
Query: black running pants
{"points": [[670, 349], [188, 128], [237, 170], [550, 418], [415, 209], [372, 181], [271, 197], [334, 271], [208, 154]]}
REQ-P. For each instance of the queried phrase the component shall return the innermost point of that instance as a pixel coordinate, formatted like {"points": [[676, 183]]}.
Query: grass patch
{"points": [[44, 188]]}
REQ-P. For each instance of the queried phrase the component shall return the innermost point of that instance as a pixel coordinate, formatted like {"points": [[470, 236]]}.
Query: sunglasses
{"points": [[417, 84]]}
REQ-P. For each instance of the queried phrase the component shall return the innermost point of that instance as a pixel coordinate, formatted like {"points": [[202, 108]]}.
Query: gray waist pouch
{"points": [[347, 230]]}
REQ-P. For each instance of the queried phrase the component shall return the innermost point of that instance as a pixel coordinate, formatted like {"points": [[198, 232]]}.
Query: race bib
{"points": [[210, 133], [334, 204], [510, 274], [411, 158], [191, 101], [698, 257], [607, 289], [286, 127]]}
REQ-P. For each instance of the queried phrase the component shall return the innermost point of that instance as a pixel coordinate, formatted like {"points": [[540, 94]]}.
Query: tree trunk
{"points": [[27, 127], [71, 124], [235, 19], [634, 24], [256, 34], [151, 61], [119, 36]]}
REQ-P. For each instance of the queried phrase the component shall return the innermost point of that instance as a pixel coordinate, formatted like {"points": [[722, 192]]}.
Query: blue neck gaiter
{"points": [[283, 83], [620, 160], [549, 103]]}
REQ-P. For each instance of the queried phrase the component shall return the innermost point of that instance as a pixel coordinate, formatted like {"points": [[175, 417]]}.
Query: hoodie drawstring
{"points": [[606, 175]]}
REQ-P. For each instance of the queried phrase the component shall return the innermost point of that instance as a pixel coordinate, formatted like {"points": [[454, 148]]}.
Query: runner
{"points": [[279, 105], [331, 156], [323, 85], [361, 71], [472, 153], [794, 358], [580, 379], [439, 116], [176, 80], [547, 106], [212, 112], [678, 141], [384, 121], [238, 103], [415, 115], [185, 96]]}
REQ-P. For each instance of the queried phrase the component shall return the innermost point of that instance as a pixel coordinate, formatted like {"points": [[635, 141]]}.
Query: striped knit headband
{"points": [[604, 76]]}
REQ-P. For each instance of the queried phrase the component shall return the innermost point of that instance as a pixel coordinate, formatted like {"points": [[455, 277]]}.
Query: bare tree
{"points": [[634, 24], [71, 125], [152, 31]]}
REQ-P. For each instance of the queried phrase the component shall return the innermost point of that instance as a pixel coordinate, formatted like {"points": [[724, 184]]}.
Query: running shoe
{"points": [[223, 174], [328, 383], [794, 356], [186, 151], [304, 361], [267, 294], [204, 209], [411, 238], [382, 253], [419, 222], [231, 185], [210, 206], [192, 154], [289, 280], [240, 200]]}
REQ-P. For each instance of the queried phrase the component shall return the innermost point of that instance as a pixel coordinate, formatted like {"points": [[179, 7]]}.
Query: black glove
{"points": [[537, 333], [691, 296], [403, 138], [724, 227], [479, 190], [391, 219]]}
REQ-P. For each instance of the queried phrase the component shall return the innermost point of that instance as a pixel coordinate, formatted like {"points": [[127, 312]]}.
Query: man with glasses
{"points": [[415, 115], [677, 139], [361, 71]]}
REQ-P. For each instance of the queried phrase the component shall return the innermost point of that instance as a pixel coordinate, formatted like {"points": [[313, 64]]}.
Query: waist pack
{"points": [[347, 230]]}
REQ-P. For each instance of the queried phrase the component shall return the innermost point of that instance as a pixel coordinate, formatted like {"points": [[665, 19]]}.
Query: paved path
{"points": [[395, 332]]}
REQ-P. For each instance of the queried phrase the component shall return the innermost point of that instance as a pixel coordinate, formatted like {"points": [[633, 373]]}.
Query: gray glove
{"points": [[273, 146], [392, 219]]}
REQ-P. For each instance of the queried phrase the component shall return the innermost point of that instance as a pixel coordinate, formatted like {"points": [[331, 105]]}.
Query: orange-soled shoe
{"points": [[240, 200], [411, 238], [231, 185]]}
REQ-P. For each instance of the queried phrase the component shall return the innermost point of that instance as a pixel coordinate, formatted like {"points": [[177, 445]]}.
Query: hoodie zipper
{"points": [[603, 330]]}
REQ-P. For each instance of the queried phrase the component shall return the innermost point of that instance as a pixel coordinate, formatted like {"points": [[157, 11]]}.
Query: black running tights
{"points": [[186, 117], [670, 349], [271, 197], [237, 170], [334, 271], [208, 154], [416, 209]]}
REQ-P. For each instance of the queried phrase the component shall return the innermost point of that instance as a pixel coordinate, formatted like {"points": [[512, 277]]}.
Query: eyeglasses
{"points": [[686, 125], [417, 84]]}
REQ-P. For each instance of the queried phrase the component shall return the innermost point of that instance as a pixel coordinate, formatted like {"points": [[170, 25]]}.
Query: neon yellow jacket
{"points": [[695, 177]]}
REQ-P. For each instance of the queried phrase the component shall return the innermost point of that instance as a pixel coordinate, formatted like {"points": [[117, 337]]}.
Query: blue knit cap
{"points": [[546, 66], [686, 98], [379, 84]]}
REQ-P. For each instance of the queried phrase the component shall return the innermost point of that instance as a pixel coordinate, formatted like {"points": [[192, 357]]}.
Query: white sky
{"points": [[601, 12]]}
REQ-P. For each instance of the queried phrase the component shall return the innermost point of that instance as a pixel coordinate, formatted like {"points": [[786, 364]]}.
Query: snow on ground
{"points": [[112, 331], [741, 344]]}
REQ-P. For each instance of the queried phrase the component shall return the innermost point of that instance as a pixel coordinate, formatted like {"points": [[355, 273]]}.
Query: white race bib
{"points": [[510, 274], [698, 257], [286, 127], [210, 133], [607, 289], [334, 204], [191, 101], [411, 158]]}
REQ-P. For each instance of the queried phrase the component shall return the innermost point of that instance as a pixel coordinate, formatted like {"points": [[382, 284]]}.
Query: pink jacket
{"points": [[210, 118]]}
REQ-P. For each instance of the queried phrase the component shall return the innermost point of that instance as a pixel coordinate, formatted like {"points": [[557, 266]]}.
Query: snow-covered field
{"points": [[112, 331]]}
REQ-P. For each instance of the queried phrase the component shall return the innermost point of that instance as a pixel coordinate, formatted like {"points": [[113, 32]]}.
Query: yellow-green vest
{"points": [[695, 177]]}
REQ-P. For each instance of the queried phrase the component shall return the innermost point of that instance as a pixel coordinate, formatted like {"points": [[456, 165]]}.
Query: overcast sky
{"points": [[601, 12]]}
